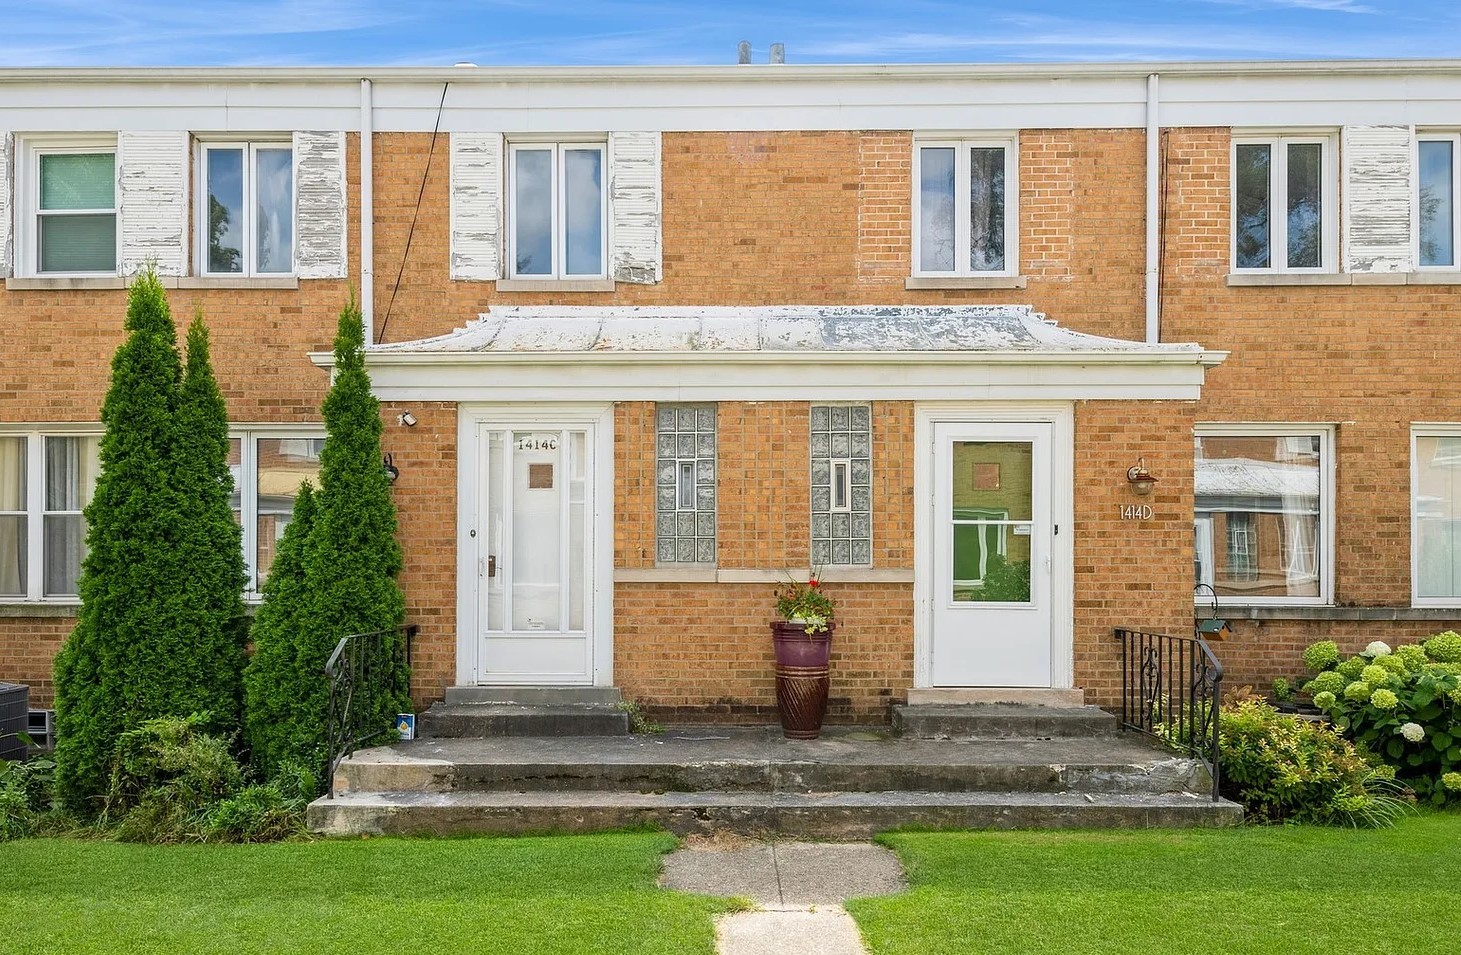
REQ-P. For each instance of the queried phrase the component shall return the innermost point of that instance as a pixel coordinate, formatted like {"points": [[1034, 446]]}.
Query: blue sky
{"points": [[517, 32]]}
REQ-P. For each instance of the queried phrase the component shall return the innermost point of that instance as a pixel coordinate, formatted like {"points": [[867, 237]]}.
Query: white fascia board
{"points": [[784, 376]]}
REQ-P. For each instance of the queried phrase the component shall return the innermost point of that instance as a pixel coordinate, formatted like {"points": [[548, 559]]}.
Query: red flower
{"points": [[812, 582]]}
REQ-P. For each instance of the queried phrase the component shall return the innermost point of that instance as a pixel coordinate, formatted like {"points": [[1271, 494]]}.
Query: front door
{"points": [[534, 554], [993, 543]]}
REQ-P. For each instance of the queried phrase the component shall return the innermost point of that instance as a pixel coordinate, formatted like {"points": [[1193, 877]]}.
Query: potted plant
{"points": [[803, 643]]}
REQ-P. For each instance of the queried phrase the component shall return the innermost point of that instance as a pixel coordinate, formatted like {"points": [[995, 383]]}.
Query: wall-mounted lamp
{"points": [[406, 419], [392, 472], [1142, 481]]}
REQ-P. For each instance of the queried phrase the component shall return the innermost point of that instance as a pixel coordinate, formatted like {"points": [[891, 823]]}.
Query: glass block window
{"points": [[841, 453], [685, 484]]}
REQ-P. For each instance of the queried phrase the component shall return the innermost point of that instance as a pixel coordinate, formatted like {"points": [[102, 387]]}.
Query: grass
{"points": [[529, 896], [1253, 890]]}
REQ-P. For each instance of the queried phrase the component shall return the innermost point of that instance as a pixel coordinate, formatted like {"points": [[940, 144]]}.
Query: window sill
{"points": [[1269, 612], [555, 285], [38, 609], [1261, 279], [61, 283], [713, 575], [916, 282]]}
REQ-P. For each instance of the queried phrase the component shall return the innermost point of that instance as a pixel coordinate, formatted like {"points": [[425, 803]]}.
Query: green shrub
{"points": [[1330, 681], [1352, 668], [1321, 656], [1411, 719], [167, 773], [1285, 768], [258, 813], [1283, 690], [1413, 656], [25, 797], [160, 583], [1444, 647]]}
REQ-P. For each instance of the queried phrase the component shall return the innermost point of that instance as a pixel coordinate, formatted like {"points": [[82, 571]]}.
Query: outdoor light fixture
{"points": [[1140, 478], [392, 472], [407, 419]]}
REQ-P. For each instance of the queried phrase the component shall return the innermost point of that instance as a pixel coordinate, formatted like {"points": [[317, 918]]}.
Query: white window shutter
{"points": [[320, 205], [1377, 198], [634, 208], [7, 150], [152, 201], [476, 206]]}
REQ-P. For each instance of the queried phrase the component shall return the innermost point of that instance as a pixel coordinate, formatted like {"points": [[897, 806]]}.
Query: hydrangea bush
{"points": [[1402, 705]]}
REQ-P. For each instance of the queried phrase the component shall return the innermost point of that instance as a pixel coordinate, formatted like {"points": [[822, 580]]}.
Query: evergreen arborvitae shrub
{"points": [[273, 683], [145, 644], [210, 546], [352, 559]]}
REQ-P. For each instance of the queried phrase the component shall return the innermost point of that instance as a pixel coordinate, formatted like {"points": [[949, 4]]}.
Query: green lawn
{"points": [[441, 897], [1257, 890]]}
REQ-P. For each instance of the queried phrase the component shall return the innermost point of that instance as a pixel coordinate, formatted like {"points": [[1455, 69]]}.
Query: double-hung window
{"points": [[46, 481], [557, 213], [1438, 183], [1264, 512], [1435, 507], [73, 197], [1285, 204], [245, 214], [965, 221], [269, 465]]}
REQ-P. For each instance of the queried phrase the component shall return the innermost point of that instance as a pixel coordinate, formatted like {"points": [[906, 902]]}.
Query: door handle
{"points": [[491, 565]]}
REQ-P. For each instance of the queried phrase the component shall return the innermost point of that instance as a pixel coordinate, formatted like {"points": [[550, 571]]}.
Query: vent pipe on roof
{"points": [[743, 53], [778, 53]]}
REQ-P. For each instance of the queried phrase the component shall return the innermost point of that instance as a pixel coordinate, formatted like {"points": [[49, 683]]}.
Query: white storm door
{"points": [[992, 547], [535, 552]]}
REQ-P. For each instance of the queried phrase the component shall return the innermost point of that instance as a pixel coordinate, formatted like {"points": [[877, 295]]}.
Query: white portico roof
{"points": [[779, 352], [773, 329]]}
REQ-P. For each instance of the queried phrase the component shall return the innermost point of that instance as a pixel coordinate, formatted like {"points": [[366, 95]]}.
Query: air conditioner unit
{"points": [[41, 728]]}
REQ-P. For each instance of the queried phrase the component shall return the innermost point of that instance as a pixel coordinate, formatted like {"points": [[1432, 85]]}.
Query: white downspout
{"points": [[1153, 214], [367, 211]]}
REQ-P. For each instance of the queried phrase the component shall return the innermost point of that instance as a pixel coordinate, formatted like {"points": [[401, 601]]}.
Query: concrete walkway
{"points": [[799, 887]]}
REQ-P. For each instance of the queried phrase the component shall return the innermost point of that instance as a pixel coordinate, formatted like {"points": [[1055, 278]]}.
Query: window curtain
{"points": [[72, 464]]}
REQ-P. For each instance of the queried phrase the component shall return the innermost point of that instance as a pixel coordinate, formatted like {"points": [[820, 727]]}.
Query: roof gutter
{"points": [[1153, 212], [398, 357]]}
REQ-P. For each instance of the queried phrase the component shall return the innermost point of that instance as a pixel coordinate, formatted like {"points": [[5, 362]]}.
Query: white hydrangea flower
{"points": [[1413, 732], [1376, 649]]}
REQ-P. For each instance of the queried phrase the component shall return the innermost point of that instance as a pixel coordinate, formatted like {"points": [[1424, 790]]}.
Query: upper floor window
{"points": [[1285, 211], [246, 208], [964, 215], [74, 198], [1438, 180], [557, 219]]}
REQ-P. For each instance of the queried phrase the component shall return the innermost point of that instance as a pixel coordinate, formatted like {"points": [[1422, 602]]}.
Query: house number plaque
{"points": [[1136, 512]]}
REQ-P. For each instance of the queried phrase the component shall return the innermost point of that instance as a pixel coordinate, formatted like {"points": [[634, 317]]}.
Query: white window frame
{"points": [[1420, 430], [1455, 140], [250, 149], [1325, 550], [961, 146], [35, 505], [559, 234], [246, 483], [28, 197], [1278, 238]]}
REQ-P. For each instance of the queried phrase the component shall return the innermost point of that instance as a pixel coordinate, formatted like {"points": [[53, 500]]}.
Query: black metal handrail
{"points": [[1171, 690], [355, 670]]}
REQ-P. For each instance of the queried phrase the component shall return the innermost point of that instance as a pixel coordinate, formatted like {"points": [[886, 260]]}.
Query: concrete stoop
{"points": [[470, 712], [848, 785], [1001, 721]]}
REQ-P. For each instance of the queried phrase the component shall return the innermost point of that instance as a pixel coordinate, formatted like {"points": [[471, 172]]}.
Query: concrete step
{"points": [[536, 695], [481, 720], [838, 815], [746, 760], [1002, 721]]}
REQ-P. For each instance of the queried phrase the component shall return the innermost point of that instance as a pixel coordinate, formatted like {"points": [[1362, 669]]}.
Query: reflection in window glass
{"points": [[583, 204], [936, 209], [281, 465], [77, 220], [1437, 177], [1258, 500], [533, 211], [225, 210], [71, 468], [993, 501], [274, 207], [1253, 240], [986, 209], [13, 503], [1437, 509], [1305, 202]]}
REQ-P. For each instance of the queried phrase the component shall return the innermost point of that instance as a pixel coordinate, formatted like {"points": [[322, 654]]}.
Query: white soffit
{"points": [[778, 352]]}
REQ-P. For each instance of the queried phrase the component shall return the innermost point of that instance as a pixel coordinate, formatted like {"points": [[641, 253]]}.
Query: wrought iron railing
{"points": [[1171, 690], [358, 671]]}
